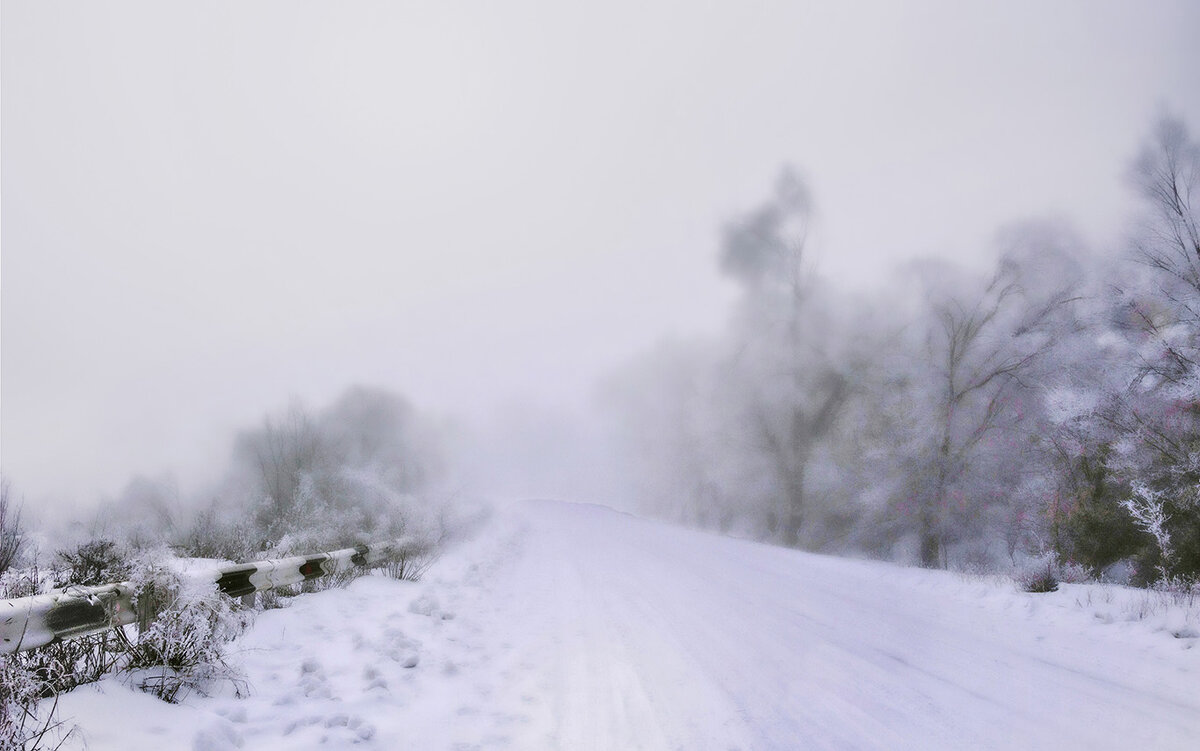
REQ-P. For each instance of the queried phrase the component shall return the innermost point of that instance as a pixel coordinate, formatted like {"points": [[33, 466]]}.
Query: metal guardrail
{"points": [[31, 622]]}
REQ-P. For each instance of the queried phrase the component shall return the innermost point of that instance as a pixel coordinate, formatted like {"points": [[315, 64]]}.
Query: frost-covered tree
{"points": [[785, 374], [1128, 421], [969, 394], [333, 477], [1159, 416]]}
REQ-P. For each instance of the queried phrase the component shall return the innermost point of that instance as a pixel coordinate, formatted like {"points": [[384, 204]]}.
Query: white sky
{"points": [[210, 207]]}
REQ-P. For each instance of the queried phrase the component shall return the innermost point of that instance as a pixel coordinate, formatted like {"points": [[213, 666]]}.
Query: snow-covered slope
{"points": [[574, 627]]}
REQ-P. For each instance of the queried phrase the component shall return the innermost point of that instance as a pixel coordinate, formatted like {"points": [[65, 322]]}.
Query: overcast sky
{"points": [[211, 207]]}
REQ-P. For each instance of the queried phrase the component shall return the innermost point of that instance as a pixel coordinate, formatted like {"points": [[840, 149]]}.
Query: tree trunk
{"points": [[931, 546], [793, 522], [930, 532], [793, 516]]}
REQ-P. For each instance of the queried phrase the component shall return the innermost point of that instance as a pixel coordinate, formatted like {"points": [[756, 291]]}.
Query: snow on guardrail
{"points": [[31, 622]]}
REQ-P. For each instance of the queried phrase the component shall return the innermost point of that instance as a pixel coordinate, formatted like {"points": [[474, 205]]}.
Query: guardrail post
{"points": [[149, 605]]}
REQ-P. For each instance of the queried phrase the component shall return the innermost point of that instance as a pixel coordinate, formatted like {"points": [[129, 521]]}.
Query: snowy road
{"points": [[575, 627], [646, 636]]}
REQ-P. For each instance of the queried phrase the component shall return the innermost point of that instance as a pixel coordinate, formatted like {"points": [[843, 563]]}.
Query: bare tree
{"points": [[1167, 174], [11, 537], [280, 454], [979, 353], [1128, 456]]}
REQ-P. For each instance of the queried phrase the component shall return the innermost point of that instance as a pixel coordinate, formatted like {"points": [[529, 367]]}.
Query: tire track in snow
{"points": [[890, 670]]}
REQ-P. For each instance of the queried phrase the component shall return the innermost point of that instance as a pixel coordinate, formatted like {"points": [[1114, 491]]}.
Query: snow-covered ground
{"points": [[562, 626]]}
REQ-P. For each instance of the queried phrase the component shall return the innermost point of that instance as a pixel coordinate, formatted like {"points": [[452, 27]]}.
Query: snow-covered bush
{"points": [[66, 664], [61, 666], [272, 599], [26, 581], [27, 721], [187, 626]]}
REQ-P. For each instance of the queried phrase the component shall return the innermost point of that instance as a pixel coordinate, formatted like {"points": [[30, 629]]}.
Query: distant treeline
{"points": [[368, 467], [1047, 408]]}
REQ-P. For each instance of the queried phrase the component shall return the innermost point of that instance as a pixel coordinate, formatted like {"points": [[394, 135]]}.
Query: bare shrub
{"points": [[1041, 576], [26, 720], [93, 563], [1181, 590], [64, 665], [331, 581], [273, 599], [1046, 573], [209, 536], [411, 563]]}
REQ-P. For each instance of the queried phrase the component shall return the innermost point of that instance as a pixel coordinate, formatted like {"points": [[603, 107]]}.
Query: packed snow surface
{"points": [[561, 626]]}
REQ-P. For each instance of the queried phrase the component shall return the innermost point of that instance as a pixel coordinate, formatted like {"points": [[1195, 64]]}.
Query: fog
{"points": [[495, 210]]}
